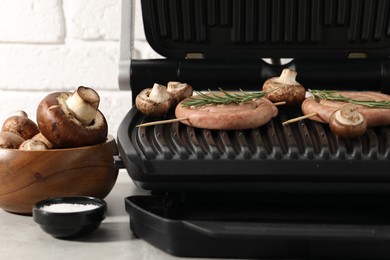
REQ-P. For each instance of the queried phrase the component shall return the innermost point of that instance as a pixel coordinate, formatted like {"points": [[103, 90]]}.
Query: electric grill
{"points": [[275, 191]]}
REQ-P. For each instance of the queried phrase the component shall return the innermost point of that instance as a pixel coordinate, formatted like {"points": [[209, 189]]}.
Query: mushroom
{"points": [[285, 88], [39, 137], [154, 101], [72, 119], [33, 145], [347, 122], [179, 91], [10, 140], [20, 124]]}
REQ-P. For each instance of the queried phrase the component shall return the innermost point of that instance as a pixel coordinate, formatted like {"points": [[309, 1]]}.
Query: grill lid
{"points": [[222, 43], [325, 29]]}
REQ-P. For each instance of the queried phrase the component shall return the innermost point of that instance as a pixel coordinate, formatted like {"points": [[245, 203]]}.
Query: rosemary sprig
{"points": [[333, 96], [227, 98]]}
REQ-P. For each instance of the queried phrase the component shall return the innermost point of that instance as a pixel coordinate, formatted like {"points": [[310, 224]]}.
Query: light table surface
{"points": [[22, 238]]}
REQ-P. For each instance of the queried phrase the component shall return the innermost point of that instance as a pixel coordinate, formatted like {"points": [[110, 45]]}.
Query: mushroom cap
{"points": [[10, 140], [20, 125], [285, 88], [179, 91], [33, 145], [345, 128], [62, 129], [291, 94], [41, 138], [150, 107]]}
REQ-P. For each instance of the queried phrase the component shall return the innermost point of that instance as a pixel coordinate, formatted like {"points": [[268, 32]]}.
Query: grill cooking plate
{"points": [[302, 156]]}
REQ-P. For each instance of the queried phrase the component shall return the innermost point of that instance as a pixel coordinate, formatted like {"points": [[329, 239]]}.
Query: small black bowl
{"points": [[78, 216]]}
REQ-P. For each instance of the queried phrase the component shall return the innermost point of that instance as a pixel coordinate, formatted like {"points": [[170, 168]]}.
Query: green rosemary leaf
{"points": [[225, 98], [333, 96]]}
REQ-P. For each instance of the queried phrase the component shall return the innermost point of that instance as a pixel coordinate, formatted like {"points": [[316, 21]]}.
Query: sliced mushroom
{"points": [[10, 140], [155, 101], [20, 124], [347, 122], [285, 88], [75, 123], [33, 145], [179, 91]]}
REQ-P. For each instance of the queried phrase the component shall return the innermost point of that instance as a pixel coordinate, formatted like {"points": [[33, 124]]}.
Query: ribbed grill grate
{"points": [[272, 21], [305, 140]]}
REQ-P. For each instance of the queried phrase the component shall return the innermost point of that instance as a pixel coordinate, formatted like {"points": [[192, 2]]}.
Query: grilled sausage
{"points": [[228, 117], [325, 108]]}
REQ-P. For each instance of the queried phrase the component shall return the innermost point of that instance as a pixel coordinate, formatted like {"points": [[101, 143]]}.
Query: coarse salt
{"points": [[68, 207]]}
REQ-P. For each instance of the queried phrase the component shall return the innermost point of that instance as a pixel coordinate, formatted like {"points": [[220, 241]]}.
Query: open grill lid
{"points": [[255, 29], [334, 44]]}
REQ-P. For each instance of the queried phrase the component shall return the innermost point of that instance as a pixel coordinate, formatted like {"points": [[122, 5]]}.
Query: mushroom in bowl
{"points": [[72, 155], [72, 119]]}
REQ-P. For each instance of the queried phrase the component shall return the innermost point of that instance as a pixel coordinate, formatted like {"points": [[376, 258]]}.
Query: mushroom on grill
{"points": [[285, 88], [347, 122], [156, 101], [179, 91]]}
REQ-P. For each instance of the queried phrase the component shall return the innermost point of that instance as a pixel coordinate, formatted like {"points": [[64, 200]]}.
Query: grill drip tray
{"points": [[254, 226], [301, 156]]}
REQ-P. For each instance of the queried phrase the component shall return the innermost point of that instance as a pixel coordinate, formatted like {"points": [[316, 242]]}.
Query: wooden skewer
{"points": [[280, 103], [299, 118], [163, 122]]}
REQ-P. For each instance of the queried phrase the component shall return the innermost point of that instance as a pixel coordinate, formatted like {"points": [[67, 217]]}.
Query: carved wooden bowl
{"points": [[27, 177]]}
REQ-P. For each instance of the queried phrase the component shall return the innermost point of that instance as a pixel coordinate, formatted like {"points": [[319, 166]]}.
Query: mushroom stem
{"points": [[287, 76], [179, 91], [83, 104], [349, 115], [154, 101], [159, 93]]}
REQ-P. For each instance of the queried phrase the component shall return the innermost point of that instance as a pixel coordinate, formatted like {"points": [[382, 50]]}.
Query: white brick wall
{"points": [[91, 20], [32, 21], [53, 45]]}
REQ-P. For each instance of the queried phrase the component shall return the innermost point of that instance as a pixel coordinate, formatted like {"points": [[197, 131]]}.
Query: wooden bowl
{"points": [[27, 177]]}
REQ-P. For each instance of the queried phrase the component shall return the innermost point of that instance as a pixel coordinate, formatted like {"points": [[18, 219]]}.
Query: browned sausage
{"points": [[325, 108], [228, 117], [310, 106]]}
